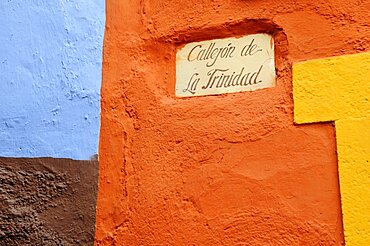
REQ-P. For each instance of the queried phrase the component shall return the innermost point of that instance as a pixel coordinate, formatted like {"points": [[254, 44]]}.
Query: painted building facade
{"points": [[284, 165], [50, 73]]}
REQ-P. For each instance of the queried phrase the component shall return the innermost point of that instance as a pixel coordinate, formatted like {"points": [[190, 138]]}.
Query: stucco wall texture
{"points": [[217, 170], [50, 78], [50, 63], [47, 201], [338, 89]]}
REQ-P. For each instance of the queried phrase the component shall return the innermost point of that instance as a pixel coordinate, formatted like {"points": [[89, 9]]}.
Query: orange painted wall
{"points": [[217, 170]]}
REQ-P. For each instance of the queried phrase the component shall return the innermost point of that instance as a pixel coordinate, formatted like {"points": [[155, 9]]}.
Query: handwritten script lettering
{"points": [[225, 66]]}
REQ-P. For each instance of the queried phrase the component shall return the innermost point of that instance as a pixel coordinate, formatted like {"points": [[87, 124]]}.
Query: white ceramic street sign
{"points": [[225, 65]]}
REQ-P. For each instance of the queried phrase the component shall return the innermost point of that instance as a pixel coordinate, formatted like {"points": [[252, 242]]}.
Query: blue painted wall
{"points": [[50, 75]]}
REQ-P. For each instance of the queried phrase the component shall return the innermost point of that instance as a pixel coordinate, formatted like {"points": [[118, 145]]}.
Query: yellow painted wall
{"points": [[353, 143], [338, 89], [332, 89]]}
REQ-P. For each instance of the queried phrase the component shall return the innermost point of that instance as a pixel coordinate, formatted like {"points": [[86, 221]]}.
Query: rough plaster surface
{"points": [[331, 89], [353, 139], [47, 201], [338, 89], [50, 63], [217, 170]]}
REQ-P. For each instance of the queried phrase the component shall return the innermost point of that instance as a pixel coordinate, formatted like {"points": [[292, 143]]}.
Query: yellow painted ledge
{"points": [[338, 89], [331, 89]]}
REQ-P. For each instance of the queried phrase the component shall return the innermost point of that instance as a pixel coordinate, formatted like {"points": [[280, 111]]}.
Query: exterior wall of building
{"points": [[338, 89], [50, 62], [47, 201], [286, 165], [227, 169], [50, 73]]}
